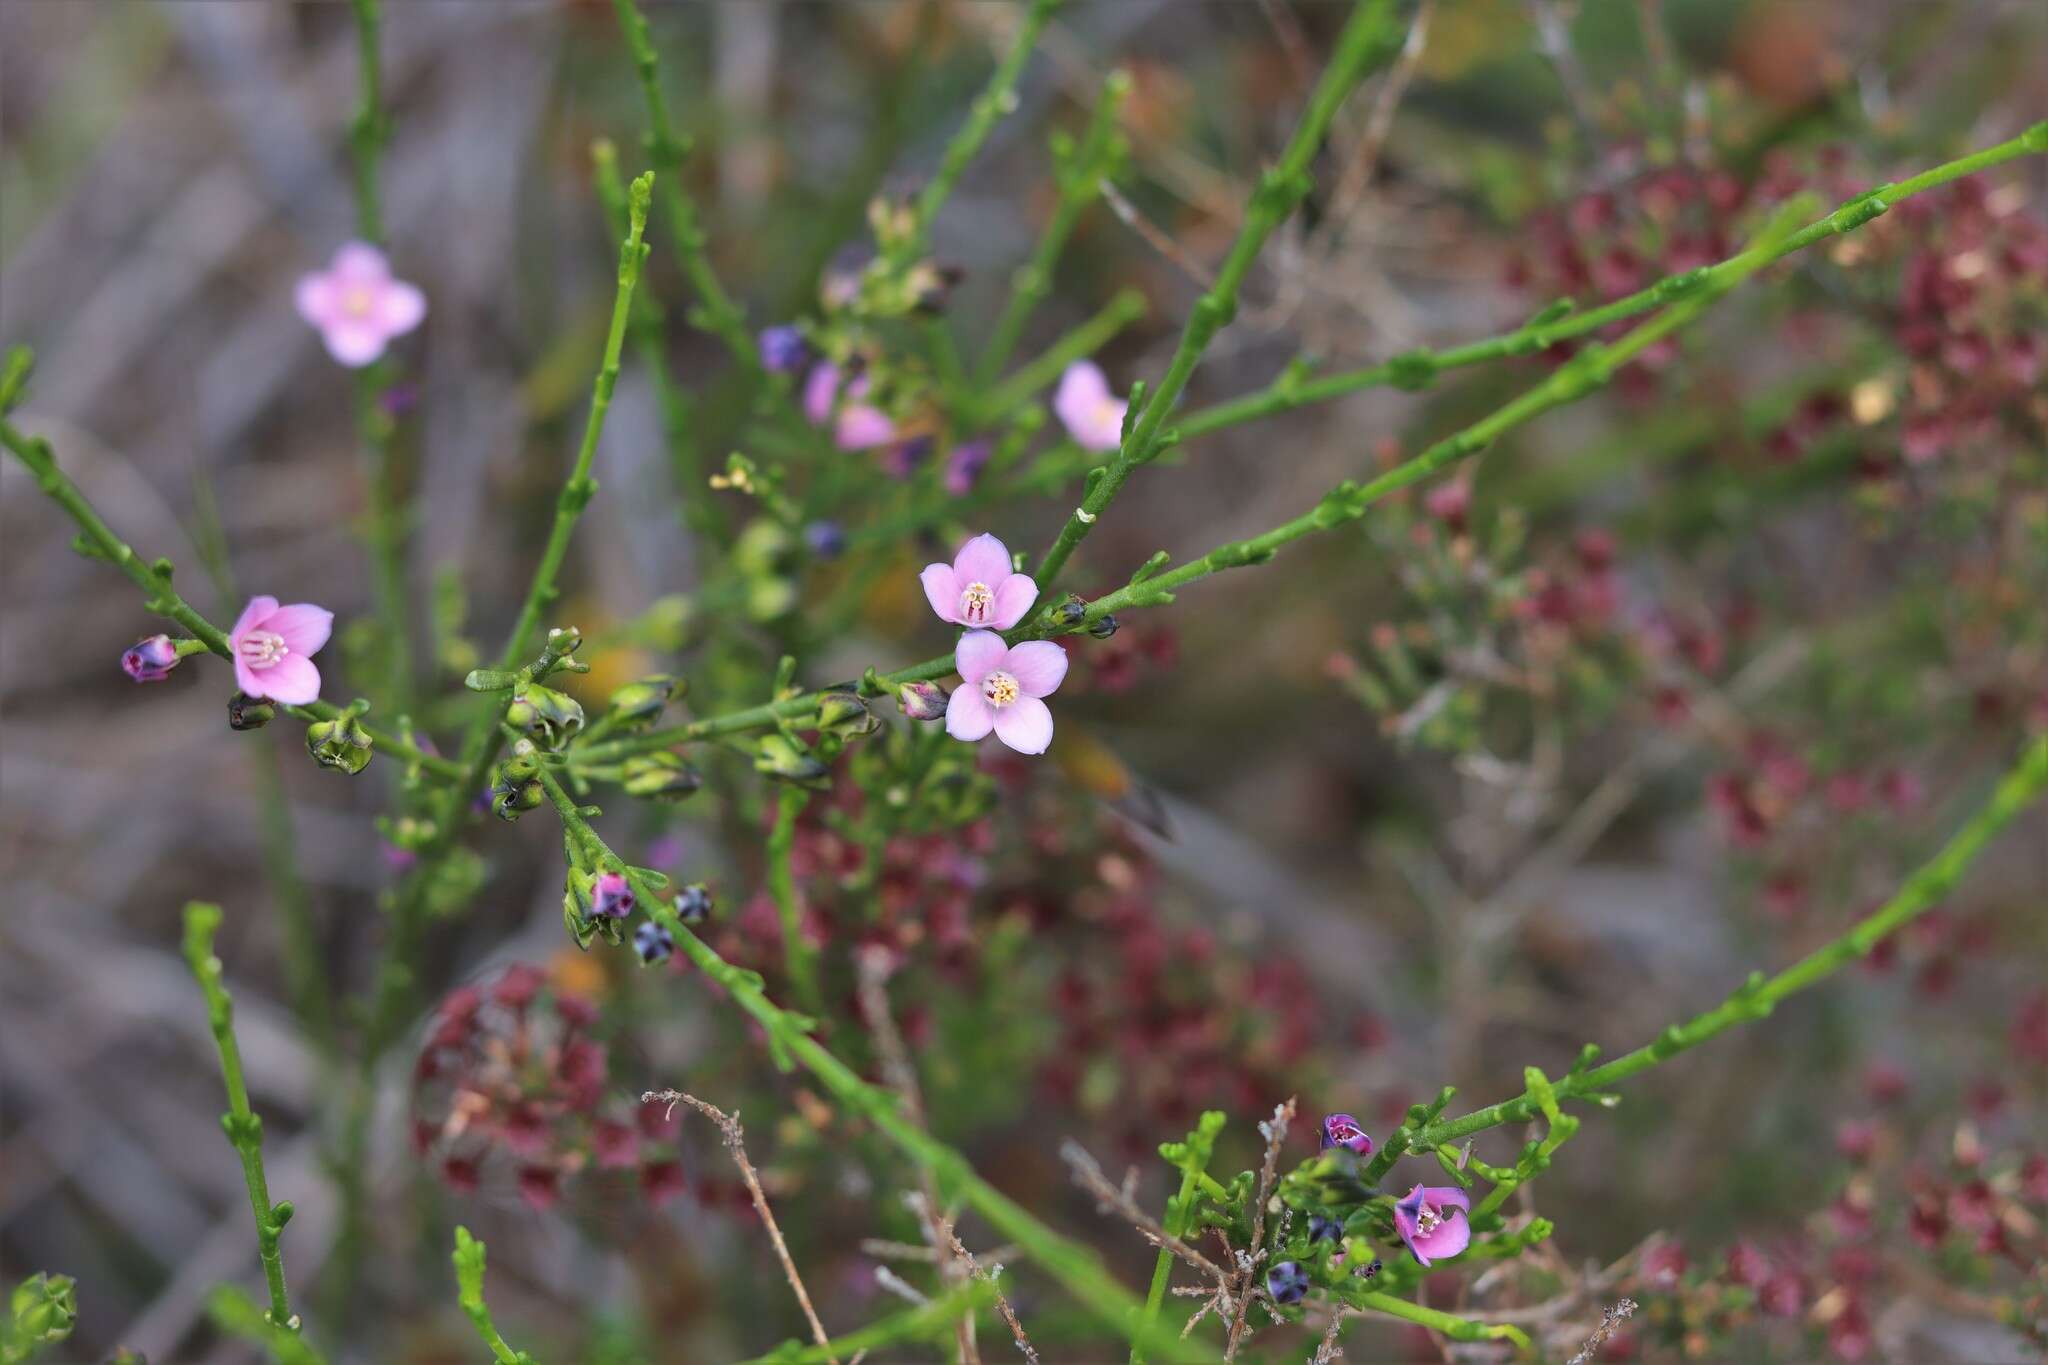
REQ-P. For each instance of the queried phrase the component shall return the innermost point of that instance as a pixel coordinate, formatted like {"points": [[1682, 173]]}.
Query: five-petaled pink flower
{"points": [[1092, 415], [1001, 690], [274, 646], [357, 305], [858, 425], [1432, 1221], [979, 590]]}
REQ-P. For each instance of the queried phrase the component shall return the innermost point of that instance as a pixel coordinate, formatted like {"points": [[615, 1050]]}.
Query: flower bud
{"points": [[510, 800], [150, 660], [1342, 1130], [693, 903], [1321, 1229], [1071, 612], [250, 713], [660, 776], [554, 718], [339, 743], [782, 758], [846, 714], [580, 929], [638, 703], [611, 896], [922, 700], [653, 943], [523, 765], [1287, 1282], [42, 1311], [1102, 627], [782, 348]]}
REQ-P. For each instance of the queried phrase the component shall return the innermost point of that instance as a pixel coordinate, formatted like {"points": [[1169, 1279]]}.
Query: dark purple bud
{"points": [[249, 713], [783, 349], [922, 700], [1321, 1229], [1342, 1130], [693, 903], [1102, 627], [150, 660], [1287, 1282], [827, 539], [964, 465], [653, 943], [611, 897]]}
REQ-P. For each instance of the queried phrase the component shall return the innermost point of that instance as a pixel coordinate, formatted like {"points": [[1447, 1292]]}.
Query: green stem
{"points": [[1368, 38], [798, 954], [1195, 1156], [238, 1315], [1922, 891], [1451, 1325], [996, 99], [927, 1321], [1127, 307], [469, 1281], [368, 132], [1080, 185], [243, 1127], [1075, 1266]]}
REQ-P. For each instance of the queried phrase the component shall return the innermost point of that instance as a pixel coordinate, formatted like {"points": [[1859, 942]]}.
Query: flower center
{"points": [[1428, 1219], [262, 648], [977, 604], [357, 301], [1000, 689]]}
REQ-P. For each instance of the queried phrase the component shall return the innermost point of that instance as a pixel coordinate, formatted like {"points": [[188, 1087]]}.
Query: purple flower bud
{"points": [[1321, 1229], [1287, 1282], [653, 943], [922, 700], [150, 660], [611, 897], [693, 903], [964, 465], [1342, 1130], [783, 348], [827, 539], [1432, 1221]]}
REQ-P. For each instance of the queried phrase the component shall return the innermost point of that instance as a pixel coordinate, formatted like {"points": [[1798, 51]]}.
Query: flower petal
{"points": [[860, 426], [1025, 724], [968, 715], [292, 680], [942, 591], [247, 678], [1038, 666], [1014, 596], [315, 298], [305, 627], [360, 263], [259, 610], [821, 387], [354, 344], [978, 653], [400, 307], [1092, 415], [983, 559]]}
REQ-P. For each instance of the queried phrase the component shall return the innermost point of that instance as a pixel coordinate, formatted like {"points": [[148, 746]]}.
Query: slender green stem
{"points": [[996, 99], [1127, 307], [243, 1127], [98, 540], [368, 131], [2023, 785], [1450, 1324], [1371, 36], [469, 1280], [1080, 184], [1195, 1155], [302, 958], [715, 312], [238, 1315], [798, 953], [928, 1321], [1075, 1266]]}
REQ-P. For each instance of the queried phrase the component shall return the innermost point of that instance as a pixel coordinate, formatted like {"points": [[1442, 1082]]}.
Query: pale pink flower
{"points": [[979, 590], [1092, 415], [858, 425], [273, 648], [1001, 687], [357, 305]]}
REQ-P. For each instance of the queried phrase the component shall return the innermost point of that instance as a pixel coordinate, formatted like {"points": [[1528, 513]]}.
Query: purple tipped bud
{"points": [[1321, 1229], [611, 897], [1287, 1282], [964, 465], [1342, 1130], [150, 660], [783, 348], [693, 903], [653, 943], [922, 700]]}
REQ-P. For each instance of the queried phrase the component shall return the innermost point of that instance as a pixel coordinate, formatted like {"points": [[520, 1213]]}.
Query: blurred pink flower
{"points": [[1092, 415], [1001, 691], [859, 425], [273, 649], [357, 305], [979, 590]]}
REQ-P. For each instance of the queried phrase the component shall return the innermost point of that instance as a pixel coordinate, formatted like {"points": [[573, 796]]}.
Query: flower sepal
{"points": [[660, 776], [552, 718], [341, 743]]}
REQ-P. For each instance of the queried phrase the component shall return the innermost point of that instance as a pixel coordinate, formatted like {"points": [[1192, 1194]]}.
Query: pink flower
{"points": [[859, 425], [1092, 415], [357, 305], [1431, 1220], [274, 646], [1001, 688], [979, 591]]}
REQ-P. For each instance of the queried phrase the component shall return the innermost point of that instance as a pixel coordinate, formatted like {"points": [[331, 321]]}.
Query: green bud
{"points": [[250, 713], [552, 718], [660, 776], [42, 1311], [523, 765], [339, 743], [844, 714], [511, 800], [922, 700], [782, 758], [639, 703]]}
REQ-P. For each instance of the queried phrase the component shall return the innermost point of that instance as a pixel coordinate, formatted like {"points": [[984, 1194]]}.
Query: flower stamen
{"points": [[1000, 689], [262, 648], [977, 604]]}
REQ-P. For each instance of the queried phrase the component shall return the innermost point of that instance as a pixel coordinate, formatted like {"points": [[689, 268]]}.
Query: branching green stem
{"points": [[243, 1127], [798, 953], [1451, 1325], [469, 1281]]}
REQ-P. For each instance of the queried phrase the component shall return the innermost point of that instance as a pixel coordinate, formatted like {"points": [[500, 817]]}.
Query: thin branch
{"points": [[1089, 1176], [1609, 1320]]}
